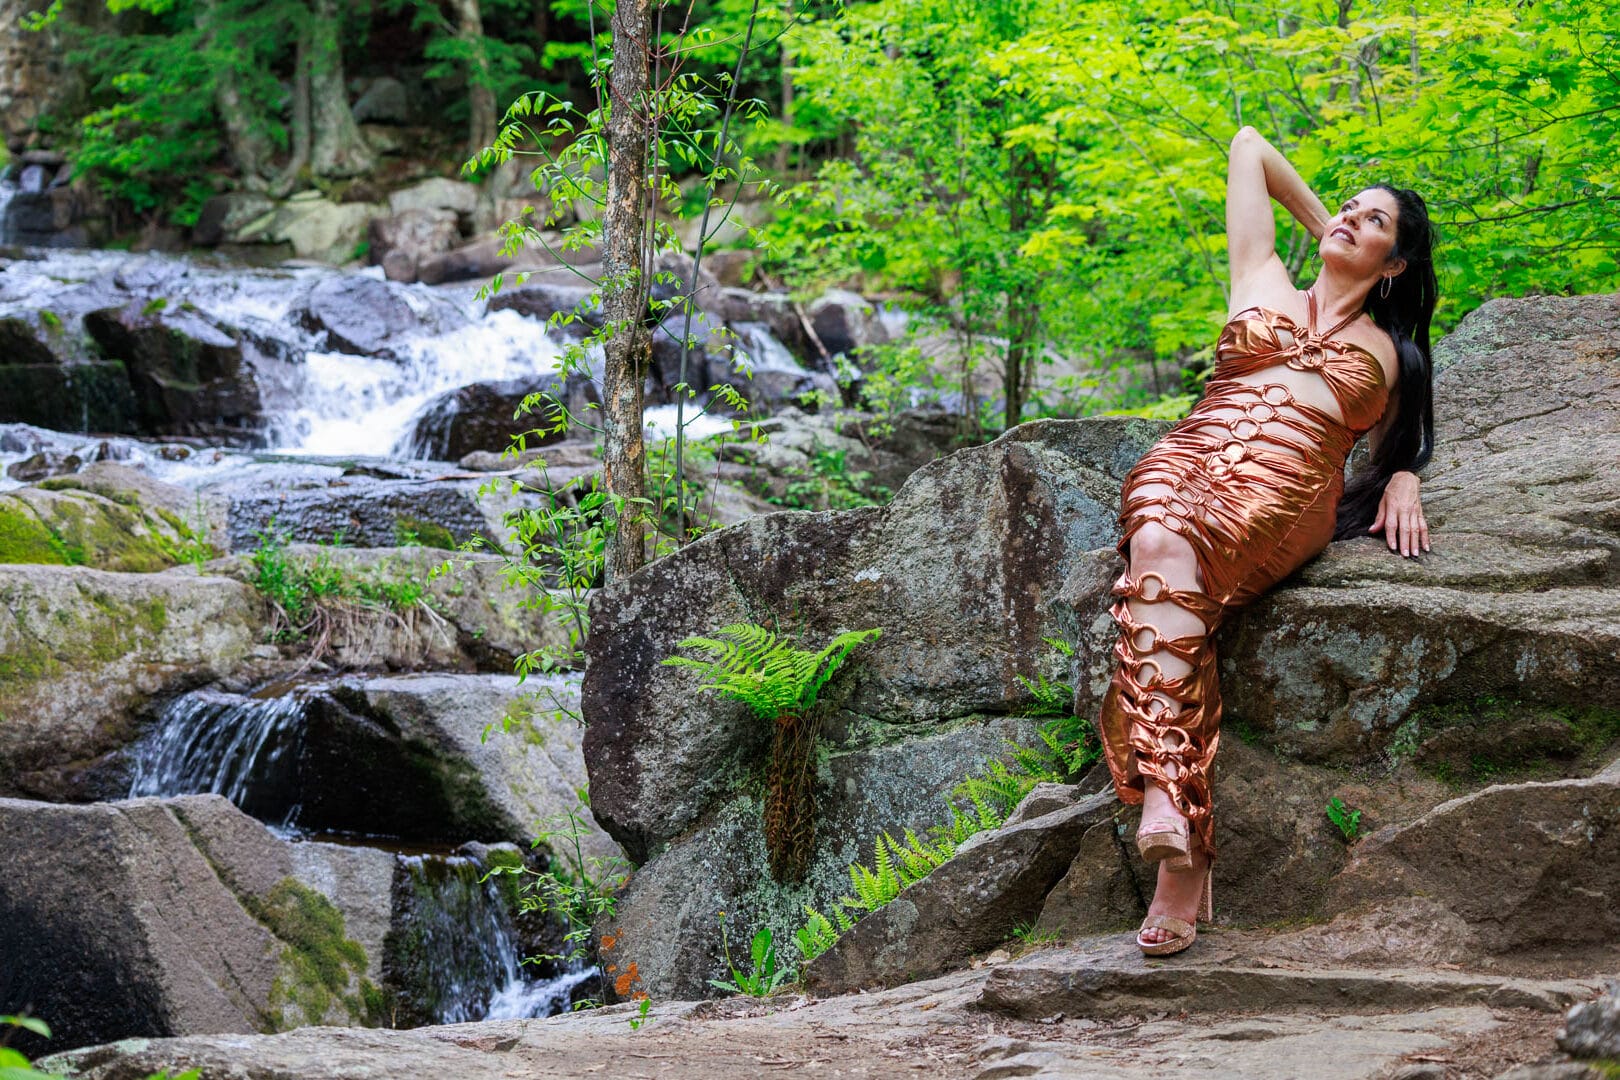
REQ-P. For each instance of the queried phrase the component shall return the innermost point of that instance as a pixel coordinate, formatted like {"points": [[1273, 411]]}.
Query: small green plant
{"points": [[574, 889], [781, 684], [764, 975], [829, 485], [818, 934], [154, 305], [1033, 937], [1348, 820], [643, 1007], [50, 318]]}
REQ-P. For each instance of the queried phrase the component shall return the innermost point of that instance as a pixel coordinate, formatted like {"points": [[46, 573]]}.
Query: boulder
{"points": [[1517, 864], [970, 904], [367, 317], [775, 309], [959, 630], [420, 758], [51, 376], [399, 243], [484, 416], [435, 193], [82, 648], [1592, 1028], [484, 258], [97, 517], [385, 101], [541, 299], [317, 228], [666, 921], [227, 216], [190, 374], [202, 920], [845, 321]]}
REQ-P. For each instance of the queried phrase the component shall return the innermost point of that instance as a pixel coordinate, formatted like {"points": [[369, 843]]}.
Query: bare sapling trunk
{"points": [[628, 348]]}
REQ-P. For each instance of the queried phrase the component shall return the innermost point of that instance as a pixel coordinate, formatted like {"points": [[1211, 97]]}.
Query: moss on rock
{"points": [[322, 967]]}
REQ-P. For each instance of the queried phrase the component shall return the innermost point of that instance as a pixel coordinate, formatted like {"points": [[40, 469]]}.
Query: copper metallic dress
{"points": [[1251, 478]]}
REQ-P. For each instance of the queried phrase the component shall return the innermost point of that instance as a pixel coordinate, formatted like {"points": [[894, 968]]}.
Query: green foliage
{"points": [[818, 934], [1347, 820], [828, 484], [574, 890], [643, 1007], [766, 672], [313, 597], [763, 977]]}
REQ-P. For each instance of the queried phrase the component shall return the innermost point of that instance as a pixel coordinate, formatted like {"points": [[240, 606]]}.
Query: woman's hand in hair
{"points": [[1400, 516]]}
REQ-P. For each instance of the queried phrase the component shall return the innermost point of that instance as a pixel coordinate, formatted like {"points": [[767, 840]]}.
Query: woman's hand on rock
{"points": [[1400, 515]]}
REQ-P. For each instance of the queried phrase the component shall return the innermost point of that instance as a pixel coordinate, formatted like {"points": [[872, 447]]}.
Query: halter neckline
{"points": [[1310, 318]]}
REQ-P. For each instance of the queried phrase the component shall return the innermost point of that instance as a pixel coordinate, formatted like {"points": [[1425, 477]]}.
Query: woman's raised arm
{"points": [[1256, 173]]}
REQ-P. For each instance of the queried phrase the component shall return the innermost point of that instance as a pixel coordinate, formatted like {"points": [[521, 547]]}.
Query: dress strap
{"points": [[1310, 306]]}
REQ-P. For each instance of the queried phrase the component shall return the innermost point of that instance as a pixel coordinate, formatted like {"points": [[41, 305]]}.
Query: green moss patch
{"points": [[1492, 739], [321, 966], [74, 528]]}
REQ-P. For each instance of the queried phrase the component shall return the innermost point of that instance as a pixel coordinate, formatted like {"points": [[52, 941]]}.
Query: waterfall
{"points": [[243, 748], [448, 975], [8, 190]]}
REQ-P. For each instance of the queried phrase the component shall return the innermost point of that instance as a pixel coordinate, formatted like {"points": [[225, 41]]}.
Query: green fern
{"points": [[817, 935], [764, 671]]}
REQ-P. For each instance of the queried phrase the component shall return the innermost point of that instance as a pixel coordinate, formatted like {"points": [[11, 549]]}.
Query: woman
{"points": [[1250, 485]]}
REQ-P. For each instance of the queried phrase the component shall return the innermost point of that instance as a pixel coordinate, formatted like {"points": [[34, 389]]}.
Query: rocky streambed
{"points": [[1465, 703]]}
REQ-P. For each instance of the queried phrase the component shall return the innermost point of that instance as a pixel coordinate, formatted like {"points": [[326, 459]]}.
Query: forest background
{"points": [[1048, 177]]}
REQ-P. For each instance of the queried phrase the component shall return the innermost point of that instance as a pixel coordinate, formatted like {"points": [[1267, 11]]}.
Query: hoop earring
{"points": [[1383, 290]]}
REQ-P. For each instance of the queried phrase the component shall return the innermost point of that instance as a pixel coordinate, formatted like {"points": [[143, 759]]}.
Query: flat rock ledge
{"points": [[1098, 1009]]}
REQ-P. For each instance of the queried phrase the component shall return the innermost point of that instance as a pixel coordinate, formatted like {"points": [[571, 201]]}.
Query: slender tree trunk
{"points": [[288, 181], [249, 149], [628, 349], [480, 92], [337, 149], [787, 93], [1023, 307]]}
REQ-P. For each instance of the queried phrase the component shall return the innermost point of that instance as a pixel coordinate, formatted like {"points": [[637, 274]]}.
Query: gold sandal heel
{"points": [[1185, 932], [1169, 845]]}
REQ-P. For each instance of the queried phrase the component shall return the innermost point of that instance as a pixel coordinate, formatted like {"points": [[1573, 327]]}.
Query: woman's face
{"points": [[1360, 237]]}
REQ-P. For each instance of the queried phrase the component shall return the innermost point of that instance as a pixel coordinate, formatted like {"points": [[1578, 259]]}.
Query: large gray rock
{"points": [[996, 882], [480, 416], [84, 647], [184, 916], [1517, 866], [960, 625], [367, 317], [666, 921]]}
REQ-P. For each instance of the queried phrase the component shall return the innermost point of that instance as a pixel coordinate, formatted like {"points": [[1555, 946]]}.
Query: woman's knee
{"points": [[1154, 547]]}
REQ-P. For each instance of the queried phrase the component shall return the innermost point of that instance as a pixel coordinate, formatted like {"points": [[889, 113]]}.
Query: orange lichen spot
{"points": [[611, 968], [639, 995], [622, 984], [608, 941]]}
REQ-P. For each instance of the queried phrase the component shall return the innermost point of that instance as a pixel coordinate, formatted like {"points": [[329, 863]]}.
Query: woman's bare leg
{"points": [[1157, 550]]}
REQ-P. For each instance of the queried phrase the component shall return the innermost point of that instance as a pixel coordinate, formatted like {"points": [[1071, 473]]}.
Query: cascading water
{"points": [[449, 976], [243, 748]]}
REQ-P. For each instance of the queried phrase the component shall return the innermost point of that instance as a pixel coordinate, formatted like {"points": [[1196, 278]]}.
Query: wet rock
{"points": [[543, 299], [51, 376], [199, 916], [845, 321], [367, 317], [399, 243], [99, 521], [995, 882], [85, 647], [190, 374], [666, 920], [1018, 513], [484, 416], [566, 456], [484, 257]]}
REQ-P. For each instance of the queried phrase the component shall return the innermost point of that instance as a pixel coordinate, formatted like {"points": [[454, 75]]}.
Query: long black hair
{"points": [[1405, 314]]}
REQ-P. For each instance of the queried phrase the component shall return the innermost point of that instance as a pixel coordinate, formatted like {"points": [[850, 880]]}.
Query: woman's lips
{"points": [[1341, 230]]}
